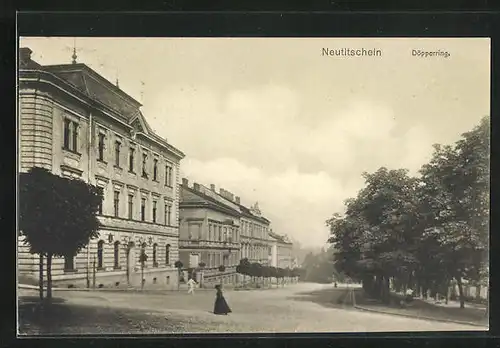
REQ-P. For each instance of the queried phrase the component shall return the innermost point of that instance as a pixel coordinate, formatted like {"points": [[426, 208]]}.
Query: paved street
{"points": [[301, 307]]}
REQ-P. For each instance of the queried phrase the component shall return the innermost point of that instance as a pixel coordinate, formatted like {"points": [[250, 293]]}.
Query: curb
{"points": [[32, 287], [470, 323]]}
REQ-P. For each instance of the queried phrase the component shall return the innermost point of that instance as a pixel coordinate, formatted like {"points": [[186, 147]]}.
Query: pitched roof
{"points": [[97, 87], [208, 201]]}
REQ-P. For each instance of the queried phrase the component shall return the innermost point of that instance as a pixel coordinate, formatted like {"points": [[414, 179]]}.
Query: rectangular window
{"points": [[143, 209], [155, 169], [154, 211], [99, 208], [131, 160], [67, 134], [168, 175], [69, 263], [168, 214], [117, 153], [100, 146], [144, 164], [116, 203], [70, 135], [131, 207]]}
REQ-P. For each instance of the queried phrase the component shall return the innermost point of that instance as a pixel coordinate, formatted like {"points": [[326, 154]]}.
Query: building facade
{"points": [[216, 229], [280, 250], [254, 235], [209, 233], [76, 123]]}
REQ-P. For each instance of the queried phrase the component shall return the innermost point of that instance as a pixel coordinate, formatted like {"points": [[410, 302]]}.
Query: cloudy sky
{"points": [[274, 121]]}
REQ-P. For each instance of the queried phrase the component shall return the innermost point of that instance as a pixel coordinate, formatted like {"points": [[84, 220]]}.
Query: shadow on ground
{"points": [[61, 318], [420, 308], [331, 298]]}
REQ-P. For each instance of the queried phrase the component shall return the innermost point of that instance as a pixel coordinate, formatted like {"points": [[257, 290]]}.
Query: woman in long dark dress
{"points": [[220, 306]]}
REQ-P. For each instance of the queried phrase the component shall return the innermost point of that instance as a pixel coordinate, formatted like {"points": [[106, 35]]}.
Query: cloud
{"points": [[258, 144], [296, 203]]}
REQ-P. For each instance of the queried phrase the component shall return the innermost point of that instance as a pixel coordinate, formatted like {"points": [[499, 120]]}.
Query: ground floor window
{"points": [[69, 263]]}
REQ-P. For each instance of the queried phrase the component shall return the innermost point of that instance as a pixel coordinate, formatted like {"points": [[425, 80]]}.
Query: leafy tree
{"points": [[57, 216], [457, 183], [419, 232], [244, 268], [143, 258], [178, 264]]}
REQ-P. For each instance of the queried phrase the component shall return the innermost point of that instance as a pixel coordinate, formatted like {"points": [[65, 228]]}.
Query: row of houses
{"points": [[76, 123]]}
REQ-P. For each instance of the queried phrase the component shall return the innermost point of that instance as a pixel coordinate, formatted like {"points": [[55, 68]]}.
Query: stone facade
{"points": [[216, 229], [77, 124], [281, 252], [209, 234]]}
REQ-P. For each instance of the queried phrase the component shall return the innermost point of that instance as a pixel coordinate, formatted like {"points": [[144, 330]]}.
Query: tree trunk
{"points": [[40, 278], [460, 292], [142, 275], [49, 277]]}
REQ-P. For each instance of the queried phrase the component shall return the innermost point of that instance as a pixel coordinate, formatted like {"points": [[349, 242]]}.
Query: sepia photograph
{"points": [[252, 185]]}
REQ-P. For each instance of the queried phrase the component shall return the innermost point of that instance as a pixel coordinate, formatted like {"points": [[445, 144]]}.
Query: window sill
{"points": [[144, 176], [100, 269], [117, 267], [103, 162], [71, 152], [154, 180], [118, 168], [70, 271], [132, 172]]}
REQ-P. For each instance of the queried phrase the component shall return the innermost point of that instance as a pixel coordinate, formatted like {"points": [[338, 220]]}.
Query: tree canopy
{"points": [[420, 231]]}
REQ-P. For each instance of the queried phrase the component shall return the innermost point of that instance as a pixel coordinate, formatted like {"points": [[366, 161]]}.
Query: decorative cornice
{"points": [[138, 230], [66, 168], [102, 178]]}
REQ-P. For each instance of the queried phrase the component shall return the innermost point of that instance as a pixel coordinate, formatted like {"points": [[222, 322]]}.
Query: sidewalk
{"points": [[420, 309]]}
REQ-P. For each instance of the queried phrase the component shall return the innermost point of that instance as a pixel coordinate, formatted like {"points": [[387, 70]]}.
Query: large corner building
{"points": [[76, 123]]}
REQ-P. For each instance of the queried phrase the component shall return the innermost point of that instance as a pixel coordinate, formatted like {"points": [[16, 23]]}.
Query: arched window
{"points": [[100, 247], [155, 263], [167, 255], [117, 254]]}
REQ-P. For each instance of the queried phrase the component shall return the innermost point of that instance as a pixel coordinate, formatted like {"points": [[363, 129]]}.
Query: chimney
{"points": [[221, 191], [196, 186], [185, 182], [230, 196], [212, 187], [24, 55], [237, 199]]}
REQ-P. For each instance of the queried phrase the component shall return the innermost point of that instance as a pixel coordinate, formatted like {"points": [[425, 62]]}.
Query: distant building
{"points": [[76, 123], [209, 233], [254, 235], [280, 250], [216, 229]]}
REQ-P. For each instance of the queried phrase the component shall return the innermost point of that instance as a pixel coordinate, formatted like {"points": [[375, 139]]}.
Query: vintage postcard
{"points": [[252, 185]]}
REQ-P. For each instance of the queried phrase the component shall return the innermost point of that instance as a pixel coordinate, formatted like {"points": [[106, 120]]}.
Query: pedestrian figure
{"points": [[220, 306], [191, 285]]}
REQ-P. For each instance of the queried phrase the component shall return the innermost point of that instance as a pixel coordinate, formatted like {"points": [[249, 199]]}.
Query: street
{"points": [[303, 307]]}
